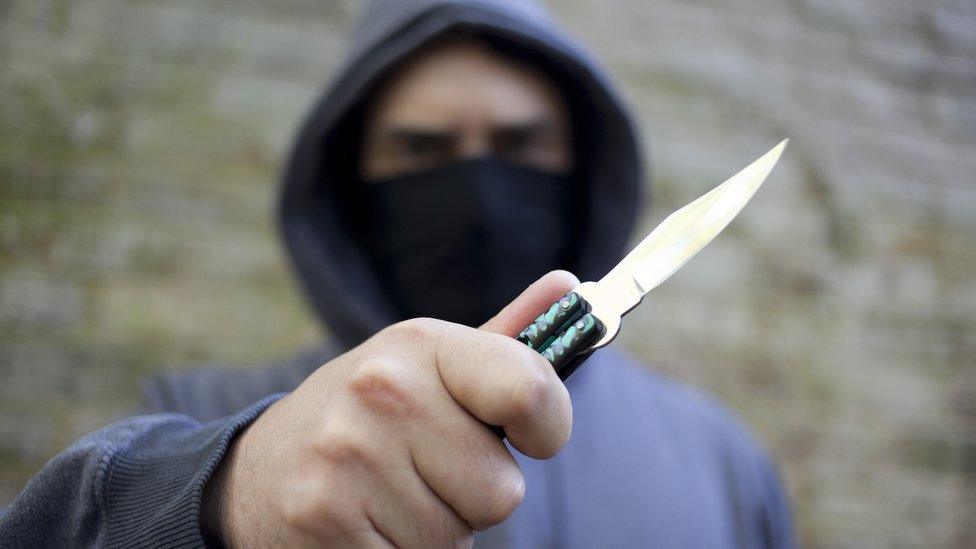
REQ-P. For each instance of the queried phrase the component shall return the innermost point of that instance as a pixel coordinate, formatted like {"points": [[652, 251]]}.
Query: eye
{"points": [[513, 142], [424, 147], [522, 140]]}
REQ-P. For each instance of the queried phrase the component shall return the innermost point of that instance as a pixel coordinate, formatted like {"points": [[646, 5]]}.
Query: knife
{"points": [[589, 316]]}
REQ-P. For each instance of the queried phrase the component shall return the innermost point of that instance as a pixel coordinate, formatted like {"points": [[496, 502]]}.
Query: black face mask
{"points": [[460, 241]]}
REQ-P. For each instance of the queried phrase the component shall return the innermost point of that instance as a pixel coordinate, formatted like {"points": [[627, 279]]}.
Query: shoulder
{"points": [[207, 392]]}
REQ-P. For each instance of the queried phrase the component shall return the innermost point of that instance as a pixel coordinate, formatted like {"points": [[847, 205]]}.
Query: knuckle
{"points": [[501, 500], [309, 508], [566, 406], [340, 443], [529, 390], [383, 386], [445, 530], [465, 541], [417, 330]]}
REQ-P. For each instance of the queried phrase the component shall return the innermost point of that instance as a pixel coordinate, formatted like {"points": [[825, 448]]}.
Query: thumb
{"points": [[531, 303]]}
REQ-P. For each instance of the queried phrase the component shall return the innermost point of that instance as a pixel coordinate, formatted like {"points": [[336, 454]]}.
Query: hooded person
{"points": [[650, 463]]}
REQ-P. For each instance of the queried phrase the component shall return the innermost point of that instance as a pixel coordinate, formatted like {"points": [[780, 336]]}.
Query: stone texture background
{"points": [[140, 141]]}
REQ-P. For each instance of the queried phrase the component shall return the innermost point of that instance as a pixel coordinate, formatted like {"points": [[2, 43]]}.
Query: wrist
{"points": [[217, 504], [221, 499], [219, 519]]}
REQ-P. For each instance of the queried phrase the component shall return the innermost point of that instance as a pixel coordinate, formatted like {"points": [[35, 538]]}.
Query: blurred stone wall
{"points": [[140, 142]]}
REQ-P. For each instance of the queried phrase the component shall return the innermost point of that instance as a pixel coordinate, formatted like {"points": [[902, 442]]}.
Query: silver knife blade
{"points": [[672, 243]]}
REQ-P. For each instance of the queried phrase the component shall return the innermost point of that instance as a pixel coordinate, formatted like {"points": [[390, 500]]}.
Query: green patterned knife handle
{"points": [[575, 340], [543, 330]]}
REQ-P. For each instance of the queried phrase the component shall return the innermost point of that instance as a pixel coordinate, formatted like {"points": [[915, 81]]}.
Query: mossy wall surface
{"points": [[140, 144]]}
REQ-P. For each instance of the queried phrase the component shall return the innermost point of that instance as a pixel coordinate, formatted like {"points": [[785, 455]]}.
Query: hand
{"points": [[387, 444]]}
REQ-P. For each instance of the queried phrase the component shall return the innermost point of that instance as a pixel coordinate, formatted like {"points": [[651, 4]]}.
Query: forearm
{"points": [[137, 482]]}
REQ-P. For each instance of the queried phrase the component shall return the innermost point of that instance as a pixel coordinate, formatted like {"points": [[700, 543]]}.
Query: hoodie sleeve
{"points": [[138, 482]]}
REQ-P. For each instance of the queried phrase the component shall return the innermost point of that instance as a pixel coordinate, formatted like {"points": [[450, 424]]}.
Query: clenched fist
{"points": [[388, 444]]}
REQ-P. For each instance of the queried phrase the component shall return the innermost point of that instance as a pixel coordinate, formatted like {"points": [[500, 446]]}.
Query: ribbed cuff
{"points": [[153, 488]]}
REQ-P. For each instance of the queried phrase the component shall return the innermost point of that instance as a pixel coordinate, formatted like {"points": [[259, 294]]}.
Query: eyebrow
{"points": [[404, 133], [529, 128]]}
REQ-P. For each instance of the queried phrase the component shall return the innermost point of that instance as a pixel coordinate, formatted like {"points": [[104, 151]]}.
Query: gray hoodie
{"points": [[650, 463]]}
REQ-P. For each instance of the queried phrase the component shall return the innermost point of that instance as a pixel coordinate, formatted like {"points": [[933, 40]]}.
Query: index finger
{"points": [[535, 299]]}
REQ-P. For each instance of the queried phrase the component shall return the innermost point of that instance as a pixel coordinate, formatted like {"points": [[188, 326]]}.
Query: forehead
{"points": [[462, 81]]}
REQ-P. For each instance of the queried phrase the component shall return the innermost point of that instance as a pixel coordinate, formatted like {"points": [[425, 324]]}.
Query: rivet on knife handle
{"points": [[544, 328], [575, 340]]}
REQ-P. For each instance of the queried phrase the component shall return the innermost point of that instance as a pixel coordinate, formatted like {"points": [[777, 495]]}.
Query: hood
{"points": [[318, 221]]}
